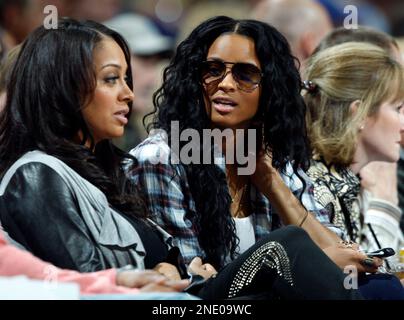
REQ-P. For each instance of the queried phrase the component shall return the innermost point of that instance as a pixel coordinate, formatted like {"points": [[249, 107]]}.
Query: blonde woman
{"points": [[354, 114], [354, 99], [380, 98]]}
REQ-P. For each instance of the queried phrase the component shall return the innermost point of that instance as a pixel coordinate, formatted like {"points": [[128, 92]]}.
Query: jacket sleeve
{"points": [[39, 211]]}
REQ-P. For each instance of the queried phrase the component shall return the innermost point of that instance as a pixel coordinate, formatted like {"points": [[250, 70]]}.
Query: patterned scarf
{"points": [[344, 186]]}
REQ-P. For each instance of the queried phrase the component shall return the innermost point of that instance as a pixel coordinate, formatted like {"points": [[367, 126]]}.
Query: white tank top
{"points": [[245, 232]]}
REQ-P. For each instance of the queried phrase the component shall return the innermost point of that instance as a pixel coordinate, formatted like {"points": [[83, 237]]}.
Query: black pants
{"points": [[284, 265]]}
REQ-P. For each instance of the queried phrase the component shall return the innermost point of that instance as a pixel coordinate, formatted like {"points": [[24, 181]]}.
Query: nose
{"points": [[126, 94], [228, 82], [401, 123], [402, 129]]}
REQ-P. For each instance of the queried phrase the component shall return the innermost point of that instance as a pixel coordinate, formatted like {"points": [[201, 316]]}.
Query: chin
{"points": [[227, 123], [395, 159], [118, 134], [390, 158], [220, 122]]}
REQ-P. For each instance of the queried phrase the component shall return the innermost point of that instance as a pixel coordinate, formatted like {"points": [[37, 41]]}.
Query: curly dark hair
{"points": [[51, 81], [281, 115]]}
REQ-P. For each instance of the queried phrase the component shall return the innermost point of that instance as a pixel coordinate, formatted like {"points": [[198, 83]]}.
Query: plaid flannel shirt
{"points": [[169, 199]]}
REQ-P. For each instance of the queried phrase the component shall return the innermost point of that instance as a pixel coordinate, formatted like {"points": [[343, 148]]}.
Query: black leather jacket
{"points": [[39, 211]]}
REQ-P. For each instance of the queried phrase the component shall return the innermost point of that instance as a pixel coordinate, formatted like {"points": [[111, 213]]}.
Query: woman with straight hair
{"points": [[380, 190], [354, 95]]}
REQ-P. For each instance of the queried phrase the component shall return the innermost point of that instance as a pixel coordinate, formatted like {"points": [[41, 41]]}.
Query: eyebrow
{"points": [[221, 60], [111, 65]]}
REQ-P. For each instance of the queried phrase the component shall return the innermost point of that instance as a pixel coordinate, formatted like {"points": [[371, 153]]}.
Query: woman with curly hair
{"points": [[231, 75]]}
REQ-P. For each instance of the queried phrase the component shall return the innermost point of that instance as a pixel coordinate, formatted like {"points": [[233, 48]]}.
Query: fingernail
{"points": [[368, 262]]}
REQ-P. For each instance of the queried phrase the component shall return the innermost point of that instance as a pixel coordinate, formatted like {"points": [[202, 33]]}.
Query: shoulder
{"points": [[33, 167], [318, 172], [155, 160], [295, 179], [317, 166], [154, 149], [36, 158]]}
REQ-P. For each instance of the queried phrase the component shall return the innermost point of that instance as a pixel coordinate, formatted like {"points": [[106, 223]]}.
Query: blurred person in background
{"points": [[19, 17], [400, 163], [362, 34], [201, 10], [2, 86], [96, 10], [6, 66], [368, 13], [303, 22], [400, 182]]}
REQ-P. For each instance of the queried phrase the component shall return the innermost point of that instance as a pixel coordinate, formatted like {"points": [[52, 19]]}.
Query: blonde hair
{"points": [[341, 75]]}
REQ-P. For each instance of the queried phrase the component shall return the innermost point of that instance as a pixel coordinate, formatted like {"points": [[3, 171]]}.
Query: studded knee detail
{"points": [[273, 255]]}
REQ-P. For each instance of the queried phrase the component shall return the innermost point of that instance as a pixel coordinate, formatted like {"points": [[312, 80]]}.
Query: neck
{"points": [[238, 189], [87, 144], [233, 143], [229, 144], [231, 172], [361, 159], [234, 180]]}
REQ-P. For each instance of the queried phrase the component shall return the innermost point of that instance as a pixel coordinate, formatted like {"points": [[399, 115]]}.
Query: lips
{"points": [[121, 116], [223, 105]]}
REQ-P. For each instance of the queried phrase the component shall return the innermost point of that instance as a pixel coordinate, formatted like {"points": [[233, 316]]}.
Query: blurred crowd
{"points": [[153, 28]]}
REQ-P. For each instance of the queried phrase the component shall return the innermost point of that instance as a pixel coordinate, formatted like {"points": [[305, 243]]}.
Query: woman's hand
{"points": [[264, 172], [343, 256], [269, 182], [166, 286], [205, 270], [168, 270], [149, 281]]}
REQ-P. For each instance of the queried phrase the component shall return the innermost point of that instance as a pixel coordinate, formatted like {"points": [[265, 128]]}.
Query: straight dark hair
{"points": [[51, 82]]}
